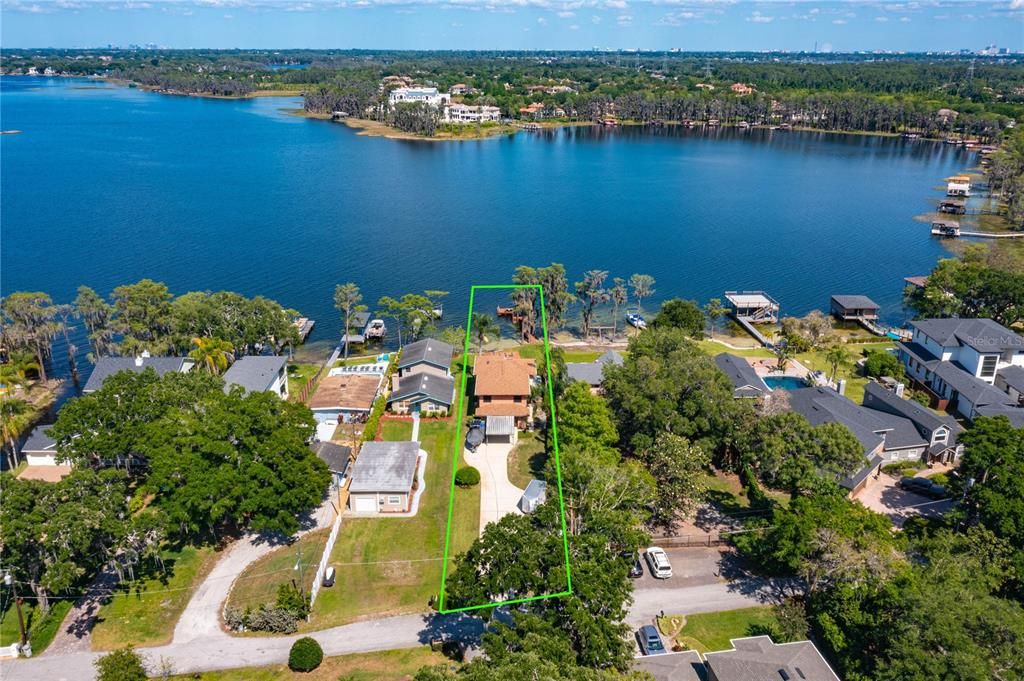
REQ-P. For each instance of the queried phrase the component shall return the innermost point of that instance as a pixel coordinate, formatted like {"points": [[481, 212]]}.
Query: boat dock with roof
{"points": [[749, 308]]}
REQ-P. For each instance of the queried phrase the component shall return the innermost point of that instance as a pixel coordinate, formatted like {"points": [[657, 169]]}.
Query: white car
{"points": [[657, 560]]}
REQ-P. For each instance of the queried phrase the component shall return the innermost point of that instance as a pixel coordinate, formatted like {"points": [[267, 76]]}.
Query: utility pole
{"points": [[18, 601]]}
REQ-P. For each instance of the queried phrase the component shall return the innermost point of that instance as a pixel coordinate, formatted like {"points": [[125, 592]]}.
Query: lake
{"points": [[106, 185]]}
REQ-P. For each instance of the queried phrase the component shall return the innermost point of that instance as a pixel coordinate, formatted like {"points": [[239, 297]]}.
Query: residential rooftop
{"points": [[438, 388], [593, 372], [758, 658], [429, 350], [385, 467], [503, 373], [346, 391], [254, 373], [984, 335], [745, 381], [108, 366]]}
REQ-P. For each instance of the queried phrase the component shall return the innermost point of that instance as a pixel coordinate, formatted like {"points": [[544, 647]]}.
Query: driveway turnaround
{"points": [[885, 496], [498, 496]]}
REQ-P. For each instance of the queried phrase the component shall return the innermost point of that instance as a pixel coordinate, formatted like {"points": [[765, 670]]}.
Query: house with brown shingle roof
{"points": [[502, 387]]}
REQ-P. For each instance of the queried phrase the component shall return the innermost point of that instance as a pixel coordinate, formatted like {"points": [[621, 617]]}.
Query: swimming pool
{"points": [[785, 382]]}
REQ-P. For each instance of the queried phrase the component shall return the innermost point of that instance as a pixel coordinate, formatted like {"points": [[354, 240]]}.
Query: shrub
{"points": [[121, 665], [306, 655], [880, 363], [467, 476], [267, 618], [291, 599], [921, 397]]}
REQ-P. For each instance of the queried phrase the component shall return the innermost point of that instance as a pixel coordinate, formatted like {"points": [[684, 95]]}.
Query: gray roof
{"points": [[977, 391], [851, 481], [592, 372], [1015, 414], [108, 366], [920, 353], [745, 381], [500, 425], [1014, 377], [337, 457], [38, 442], [984, 335], [877, 397], [823, 405], [424, 386], [254, 373], [855, 302], [535, 490], [684, 666], [757, 658], [429, 351], [385, 467]]}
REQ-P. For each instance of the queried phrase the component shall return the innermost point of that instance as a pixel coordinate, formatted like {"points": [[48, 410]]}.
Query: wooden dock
{"points": [[994, 235]]}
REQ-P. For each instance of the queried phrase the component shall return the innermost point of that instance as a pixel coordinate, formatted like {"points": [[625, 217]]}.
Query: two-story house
{"points": [[939, 431], [423, 381], [502, 386], [957, 361]]}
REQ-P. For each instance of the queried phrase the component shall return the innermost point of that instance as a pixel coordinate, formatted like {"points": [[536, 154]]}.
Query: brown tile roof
{"points": [[503, 373], [503, 409], [345, 391]]}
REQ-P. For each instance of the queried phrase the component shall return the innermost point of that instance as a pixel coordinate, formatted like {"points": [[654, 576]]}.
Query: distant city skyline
{"points": [[687, 25]]}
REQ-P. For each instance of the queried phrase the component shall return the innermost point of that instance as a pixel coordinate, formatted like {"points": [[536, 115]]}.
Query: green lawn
{"points": [[712, 631], [259, 583], [144, 613], [387, 665], [396, 431], [41, 628], [712, 348], [298, 376], [352, 361], [727, 494], [527, 460], [393, 565], [536, 351]]}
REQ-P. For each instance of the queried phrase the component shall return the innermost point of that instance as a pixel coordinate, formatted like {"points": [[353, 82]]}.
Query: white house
{"points": [[258, 374], [464, 113], [427, 95], [958, 361], [40, 449]]}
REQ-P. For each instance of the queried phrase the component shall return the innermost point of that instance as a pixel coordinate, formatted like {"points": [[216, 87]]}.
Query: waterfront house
{"points": [[592, 373], [885, 437], [345, 396], [754, 658], [426, 356], [464, 113], [852, 308], [958, 185], [338, 459], [413, 95], [939, 431], [502, 386], [745, 381], [384, 477], [108, 366], [422, 393], [259, 373], [957, 361]]}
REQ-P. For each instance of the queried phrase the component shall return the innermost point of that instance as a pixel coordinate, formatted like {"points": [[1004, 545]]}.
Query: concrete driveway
{"points": [[498, 496], [885, 496]]}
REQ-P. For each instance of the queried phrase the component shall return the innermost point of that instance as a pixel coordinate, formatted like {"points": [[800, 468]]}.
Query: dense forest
{"points": [[934, 95]]}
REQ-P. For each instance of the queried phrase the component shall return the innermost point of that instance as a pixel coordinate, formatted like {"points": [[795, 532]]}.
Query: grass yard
{"points": [[41, 628], [353, 361], [388, 665], [145, 612], [298, 376], [727, 494], [259, 582], [396, 431], [536, 351], [393, 565], [713, 348], [712, 631], [527, 460]]}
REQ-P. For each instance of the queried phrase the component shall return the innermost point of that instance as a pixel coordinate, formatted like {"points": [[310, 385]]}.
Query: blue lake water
{"points": [[107, 185]]}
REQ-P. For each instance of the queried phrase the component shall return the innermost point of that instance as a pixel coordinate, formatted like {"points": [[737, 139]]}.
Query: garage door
{"points": [[365, 504]]}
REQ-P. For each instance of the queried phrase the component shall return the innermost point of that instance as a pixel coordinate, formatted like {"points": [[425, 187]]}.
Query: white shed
{"points": [[536, 494]]}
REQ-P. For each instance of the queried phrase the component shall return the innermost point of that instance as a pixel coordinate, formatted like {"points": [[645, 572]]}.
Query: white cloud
{"points": [[542, 21], [759, 18], [1016, 4], [905, 20], [882, 20], [566, 14], [839, 22], [624, 19], [574, 27], [595, 19]]}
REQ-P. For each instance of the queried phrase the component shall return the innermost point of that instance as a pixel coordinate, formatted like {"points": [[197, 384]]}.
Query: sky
{"points": [[794, 25]]}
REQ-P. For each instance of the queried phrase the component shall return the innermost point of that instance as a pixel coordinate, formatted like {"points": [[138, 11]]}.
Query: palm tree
{"points": [[837, 355], [620, 297], [213, 353], [15, 416], [482, 327], [14, 372], [782, 356]]}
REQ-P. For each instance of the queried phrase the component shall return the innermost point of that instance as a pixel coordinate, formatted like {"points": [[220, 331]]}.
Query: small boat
{"points": [[635, 320], [743, 124], [376, 329], [911, 135]]}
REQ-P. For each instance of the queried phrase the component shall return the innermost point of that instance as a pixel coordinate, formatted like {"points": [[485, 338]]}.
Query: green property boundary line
{"points": [[457, 452]]}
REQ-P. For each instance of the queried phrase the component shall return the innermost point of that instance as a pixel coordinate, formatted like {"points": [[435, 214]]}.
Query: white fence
{"points": [[318, 580]]}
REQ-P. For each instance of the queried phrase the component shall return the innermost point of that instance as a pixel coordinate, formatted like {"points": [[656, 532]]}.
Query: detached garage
{"points": [[384, 477], [500, 430]]}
